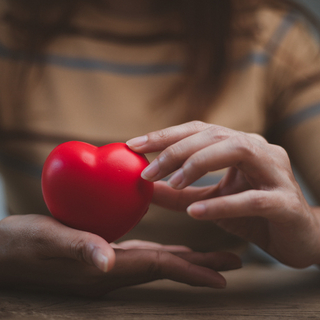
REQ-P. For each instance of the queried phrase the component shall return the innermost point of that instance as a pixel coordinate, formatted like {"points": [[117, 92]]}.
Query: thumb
{"points": [[81, 246]]}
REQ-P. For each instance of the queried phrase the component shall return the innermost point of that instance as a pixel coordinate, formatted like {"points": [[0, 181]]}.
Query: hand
{"points": [[258, 199], [39, 253]]}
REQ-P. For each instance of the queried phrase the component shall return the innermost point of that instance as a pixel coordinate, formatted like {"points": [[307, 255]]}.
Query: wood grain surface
{"points": [[253, 292]]}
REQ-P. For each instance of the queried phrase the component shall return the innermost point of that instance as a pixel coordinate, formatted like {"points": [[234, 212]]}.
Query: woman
{"points": [[112, 70]]}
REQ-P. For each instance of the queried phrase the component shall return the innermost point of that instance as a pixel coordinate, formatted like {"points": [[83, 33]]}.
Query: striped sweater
{"points": [[106, 91]]}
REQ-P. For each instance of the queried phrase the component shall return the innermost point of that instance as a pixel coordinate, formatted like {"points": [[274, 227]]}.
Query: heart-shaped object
{"points": [[96, 189]]}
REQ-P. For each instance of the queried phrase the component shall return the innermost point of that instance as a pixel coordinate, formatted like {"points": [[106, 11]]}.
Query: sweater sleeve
{"points": [[293, 99]]}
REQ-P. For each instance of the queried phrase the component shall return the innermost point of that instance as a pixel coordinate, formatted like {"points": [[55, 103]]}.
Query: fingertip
{"points": [[151, 172], [98, 252], [217, 281], [111, 258], [196, 210], [104, 261], [177, 180], [212, 279], [100, 260], [222, 284], [234, 263], [137, 142]]}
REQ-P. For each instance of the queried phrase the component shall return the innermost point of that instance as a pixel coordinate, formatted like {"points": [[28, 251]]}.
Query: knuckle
{"points": [[259, 202], [218, 133], [295, 204], [159, 135], [195, 164], [79, 248], [38, 239], [244, 145], [282, 153], [282, 161], [224, 207], [165, 134], [155, 270], [258, 137], [198, 125], [169, 154]]}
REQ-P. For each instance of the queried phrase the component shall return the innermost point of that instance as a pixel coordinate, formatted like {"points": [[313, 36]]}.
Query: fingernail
{"points": [[137, 142], [196, 210], [221, 284], [177, 178], [100, 260], [235, 265], [151, 170]]}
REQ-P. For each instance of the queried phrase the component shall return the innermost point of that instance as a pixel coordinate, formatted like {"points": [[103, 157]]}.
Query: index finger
{"points": [[161, 139], [150, 265]]}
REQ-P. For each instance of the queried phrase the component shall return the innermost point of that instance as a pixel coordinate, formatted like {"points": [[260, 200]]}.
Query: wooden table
{"points": [[253, 292]]}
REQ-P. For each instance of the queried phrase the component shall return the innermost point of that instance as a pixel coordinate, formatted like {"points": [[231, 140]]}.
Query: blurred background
{"points": [[312, 5]]}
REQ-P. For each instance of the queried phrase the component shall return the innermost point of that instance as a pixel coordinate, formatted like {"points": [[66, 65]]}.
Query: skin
{"points": [[258, 199], [40, 254]]}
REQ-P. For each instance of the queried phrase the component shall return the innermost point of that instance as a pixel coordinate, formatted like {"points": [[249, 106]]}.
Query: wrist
{"points": [[315, 210]]}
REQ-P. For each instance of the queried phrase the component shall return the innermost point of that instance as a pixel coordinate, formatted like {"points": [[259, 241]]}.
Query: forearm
{"points": [[316, 252]]}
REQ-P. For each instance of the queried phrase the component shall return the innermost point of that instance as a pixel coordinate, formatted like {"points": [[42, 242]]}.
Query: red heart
{"points": [[96, 189]]}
